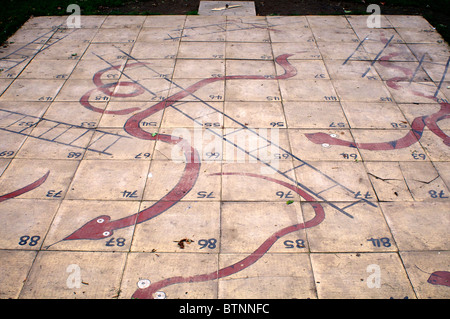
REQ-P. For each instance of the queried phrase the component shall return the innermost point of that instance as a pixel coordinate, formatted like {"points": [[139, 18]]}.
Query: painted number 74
{"points": [[366, 195]]}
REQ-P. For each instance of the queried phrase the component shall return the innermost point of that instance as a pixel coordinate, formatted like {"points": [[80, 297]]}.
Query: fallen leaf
{"points": [[184, 240]]}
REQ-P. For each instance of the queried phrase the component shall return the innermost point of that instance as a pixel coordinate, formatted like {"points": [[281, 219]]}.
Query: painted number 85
{"points": [[299, 243]]}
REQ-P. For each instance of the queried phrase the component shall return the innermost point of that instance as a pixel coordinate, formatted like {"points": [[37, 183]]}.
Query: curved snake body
{"points": [[102, 226]]}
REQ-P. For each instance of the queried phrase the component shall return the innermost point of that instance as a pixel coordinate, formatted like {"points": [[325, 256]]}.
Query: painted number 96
{"points": [[207, 243]]}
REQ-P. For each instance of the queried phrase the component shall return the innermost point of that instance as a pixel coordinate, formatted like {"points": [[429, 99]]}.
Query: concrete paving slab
{"points": [[325, 115], [48, 69], [32, 90], [374, 115], [32, 147], [242, 237], [193, 221], [258, 90], [326, 187], [16, 265], [427, 281], [72, 51], [173, 118], [424, 181], [307, 90], [88, 284], [299, 283], [388, 181], [246, 51], [327, 236], [224, 157], [24, 172], [338, 51], [198, 69], [350, 70], [208, 188], [3, 164], [354, 281], [256, 114], [409, 236], [34, 223], [105, 174]]}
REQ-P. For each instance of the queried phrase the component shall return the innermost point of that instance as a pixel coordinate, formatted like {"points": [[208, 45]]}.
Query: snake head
{"points": [[440, 278], [97, 228]]}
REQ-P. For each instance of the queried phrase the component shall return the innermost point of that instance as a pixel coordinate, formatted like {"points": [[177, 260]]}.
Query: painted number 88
{"points": [[33, 240]]}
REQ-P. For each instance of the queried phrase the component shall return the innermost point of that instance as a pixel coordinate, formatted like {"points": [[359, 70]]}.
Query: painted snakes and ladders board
{"points": [[214, 157]]}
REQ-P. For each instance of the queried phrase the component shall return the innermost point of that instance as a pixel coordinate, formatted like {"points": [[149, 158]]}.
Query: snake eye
{"points": [[143, 283], [100, 220], [160, 295], [106, 233]]}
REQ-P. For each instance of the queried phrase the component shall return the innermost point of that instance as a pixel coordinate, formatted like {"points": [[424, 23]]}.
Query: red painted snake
{"points": [[25, 189], [417, 126], [102, 226], [148, 292]]}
